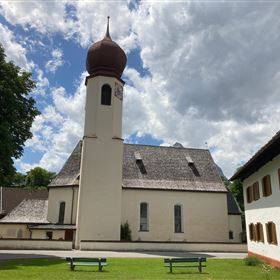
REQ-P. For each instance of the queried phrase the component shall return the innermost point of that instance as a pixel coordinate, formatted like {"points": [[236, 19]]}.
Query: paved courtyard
{"points": [[24, 254]]}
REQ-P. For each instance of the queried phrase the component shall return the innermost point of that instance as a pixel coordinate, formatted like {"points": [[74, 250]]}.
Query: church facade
{"points": [[165, 194]]}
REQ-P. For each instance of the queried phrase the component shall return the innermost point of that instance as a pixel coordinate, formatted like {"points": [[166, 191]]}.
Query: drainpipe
{"points": [[72, 206], [1, 207]]}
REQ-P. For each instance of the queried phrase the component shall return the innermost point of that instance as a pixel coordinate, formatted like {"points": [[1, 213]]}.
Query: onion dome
{"points": [[106, 58]]}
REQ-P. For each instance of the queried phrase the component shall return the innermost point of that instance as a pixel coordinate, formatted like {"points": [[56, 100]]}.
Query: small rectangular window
{"points": [[230, 234], [178, 218], [256, 191], [144, 216], [266, 185]]}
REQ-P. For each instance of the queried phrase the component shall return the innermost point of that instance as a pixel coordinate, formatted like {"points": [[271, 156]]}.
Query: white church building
{"points": [[167, 195]]}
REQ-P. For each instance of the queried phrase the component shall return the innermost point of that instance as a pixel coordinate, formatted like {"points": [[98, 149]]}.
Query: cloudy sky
{"points": [[202, 73]]}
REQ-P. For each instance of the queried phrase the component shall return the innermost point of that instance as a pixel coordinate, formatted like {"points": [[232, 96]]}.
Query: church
{"points": [[171, 195]]}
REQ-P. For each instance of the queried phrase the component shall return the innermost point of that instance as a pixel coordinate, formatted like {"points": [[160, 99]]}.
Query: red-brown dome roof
{"points": [[106, 58]]}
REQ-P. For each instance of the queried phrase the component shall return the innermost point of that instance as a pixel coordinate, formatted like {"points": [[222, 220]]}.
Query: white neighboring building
{"points": [[261, 189]]}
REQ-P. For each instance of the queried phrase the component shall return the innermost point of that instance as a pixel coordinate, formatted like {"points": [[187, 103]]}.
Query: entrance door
{"points": [[68, 235]]}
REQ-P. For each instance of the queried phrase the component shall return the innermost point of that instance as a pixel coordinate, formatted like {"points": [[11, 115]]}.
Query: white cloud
{"points": [[57, 130], [43, 16], [214, 73], [13, 50], [56, 61]]}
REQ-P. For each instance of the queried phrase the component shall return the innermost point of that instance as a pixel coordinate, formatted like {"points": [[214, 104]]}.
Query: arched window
{"points": [[61, 212], [19, 233], [144, 226], [106, 94], [178, 218]]}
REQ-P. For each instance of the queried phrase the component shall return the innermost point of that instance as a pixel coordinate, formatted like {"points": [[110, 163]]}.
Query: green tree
{"points": [[17, 112], [19, 180], [38, 177]]}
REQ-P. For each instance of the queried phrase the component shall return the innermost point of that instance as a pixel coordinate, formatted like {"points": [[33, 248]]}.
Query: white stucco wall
{"points": [[265, 209], [57, 195], [235, 225], [140, 246], [12, 231], [35, 244], [204, 215]]}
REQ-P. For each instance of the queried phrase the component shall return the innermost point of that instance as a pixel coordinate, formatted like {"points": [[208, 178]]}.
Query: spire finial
{"points": [[107, 31]]}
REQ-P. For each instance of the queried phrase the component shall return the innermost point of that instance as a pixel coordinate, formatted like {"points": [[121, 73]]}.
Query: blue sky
{"points": [[197, 72]]}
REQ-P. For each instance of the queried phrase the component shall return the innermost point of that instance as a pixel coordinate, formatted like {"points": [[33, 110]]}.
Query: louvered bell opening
{"points": [[192, 165], [140, 163]]}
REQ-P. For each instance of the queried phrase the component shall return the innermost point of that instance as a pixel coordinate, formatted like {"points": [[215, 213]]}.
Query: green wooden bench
{"points": [[185, 262], [100, 262]]}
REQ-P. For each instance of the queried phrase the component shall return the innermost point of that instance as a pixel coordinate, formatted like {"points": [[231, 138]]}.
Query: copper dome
{"points": [[106, 58]]}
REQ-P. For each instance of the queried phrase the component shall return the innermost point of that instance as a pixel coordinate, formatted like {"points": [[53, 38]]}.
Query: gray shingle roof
{"points": [[164, 168], [233, 208], [28, 211], [13, 196], [70, 171]]}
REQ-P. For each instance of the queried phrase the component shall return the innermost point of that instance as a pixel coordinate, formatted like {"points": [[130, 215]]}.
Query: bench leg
{"points": [[199, 266]]}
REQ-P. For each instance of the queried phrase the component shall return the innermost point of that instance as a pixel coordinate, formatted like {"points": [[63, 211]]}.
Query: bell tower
{"points": [[99, 200]]}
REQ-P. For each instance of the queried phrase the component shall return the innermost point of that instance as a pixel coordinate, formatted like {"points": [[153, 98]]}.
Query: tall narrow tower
{"points": [[99, 201]]}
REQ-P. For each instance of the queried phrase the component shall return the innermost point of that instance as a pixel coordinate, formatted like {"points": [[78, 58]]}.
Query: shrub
{"points": [[125, 232], [252, 261]]}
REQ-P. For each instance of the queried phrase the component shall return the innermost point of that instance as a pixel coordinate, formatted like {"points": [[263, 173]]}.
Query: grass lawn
{"points": [[131, 269]]}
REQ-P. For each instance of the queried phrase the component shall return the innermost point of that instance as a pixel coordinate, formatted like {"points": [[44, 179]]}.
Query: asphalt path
{"points": [[34, 254]]}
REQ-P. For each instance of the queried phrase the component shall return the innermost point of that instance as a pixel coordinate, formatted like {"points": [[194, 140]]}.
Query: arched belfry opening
{"points": [[106, 95]]}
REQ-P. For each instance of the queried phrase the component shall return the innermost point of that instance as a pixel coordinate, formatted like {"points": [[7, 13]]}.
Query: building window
{"points": [[249, 193], [259, 232], [19, 233], [230, 234], [61, 212], [144, 216], [266, 185], [106, 95], [178, 218], [256, 191], [271, 233], [49, 235]]}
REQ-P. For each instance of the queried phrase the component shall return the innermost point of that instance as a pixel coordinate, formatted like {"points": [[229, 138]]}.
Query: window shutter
{"points": [[269, 191], [273, 234], [255, 234], [256, 191], [261, 233], [251, 232]]}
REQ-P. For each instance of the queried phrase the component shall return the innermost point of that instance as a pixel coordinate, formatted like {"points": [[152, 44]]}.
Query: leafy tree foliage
{"points": [[19, 180], [17, 112], [38, 177]]}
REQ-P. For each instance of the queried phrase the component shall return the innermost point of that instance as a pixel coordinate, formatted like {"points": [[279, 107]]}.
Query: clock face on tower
{"points": [[119, 91]]}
